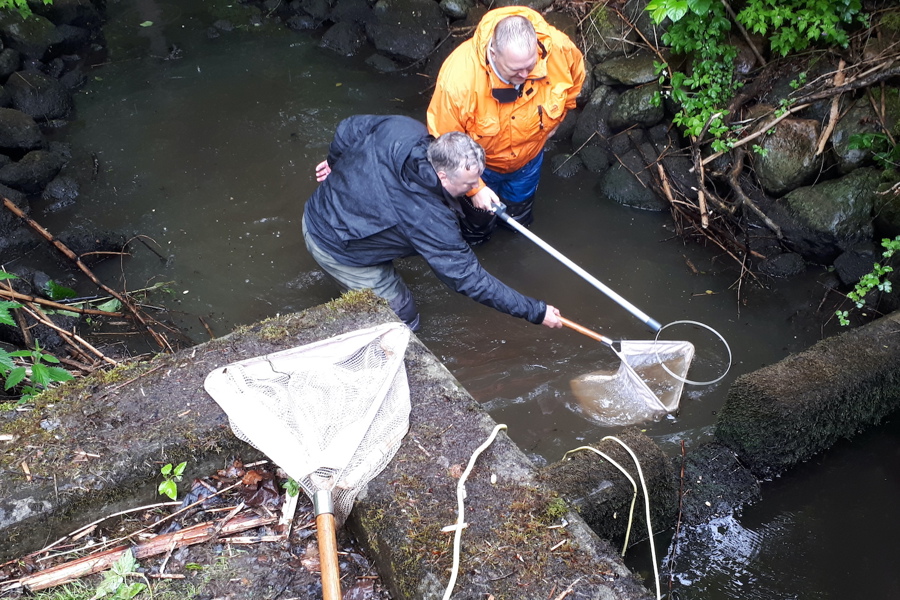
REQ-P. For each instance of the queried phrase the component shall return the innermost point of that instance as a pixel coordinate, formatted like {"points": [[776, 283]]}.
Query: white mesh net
{"points": [[640, 389], [331, 414]]}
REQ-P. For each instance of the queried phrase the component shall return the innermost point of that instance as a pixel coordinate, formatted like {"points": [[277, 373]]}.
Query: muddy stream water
{"points": [[211, 155]]}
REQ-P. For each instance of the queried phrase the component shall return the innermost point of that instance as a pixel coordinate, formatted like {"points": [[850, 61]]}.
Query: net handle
{"points": [[684, 379]]}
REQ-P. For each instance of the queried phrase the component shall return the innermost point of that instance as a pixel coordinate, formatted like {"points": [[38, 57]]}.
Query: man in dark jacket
{"points": [[388, 190]]}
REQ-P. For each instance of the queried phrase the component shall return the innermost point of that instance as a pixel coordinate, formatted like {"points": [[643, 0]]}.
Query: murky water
{"points": [[210, 156]]}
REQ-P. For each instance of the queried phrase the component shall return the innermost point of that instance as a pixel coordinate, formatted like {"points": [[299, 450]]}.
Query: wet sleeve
{"points": [[576, 67]]}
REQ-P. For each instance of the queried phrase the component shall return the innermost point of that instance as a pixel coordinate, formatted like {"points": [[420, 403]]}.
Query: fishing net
{"points": [[331, 414], [646, 385]]}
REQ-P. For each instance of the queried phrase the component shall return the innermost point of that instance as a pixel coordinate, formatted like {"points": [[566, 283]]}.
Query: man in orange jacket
{"points": [[508, 87]]}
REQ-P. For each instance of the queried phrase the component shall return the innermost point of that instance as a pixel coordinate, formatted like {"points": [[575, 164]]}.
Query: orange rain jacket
{"points": [[511, 134]]}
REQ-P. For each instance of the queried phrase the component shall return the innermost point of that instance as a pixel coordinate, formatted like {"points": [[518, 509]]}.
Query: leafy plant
{"points": [[291, 487], [884, 151], [32, 379], [793, 25], [872, 280], [171, 477], [19, 5], [115, 585]]}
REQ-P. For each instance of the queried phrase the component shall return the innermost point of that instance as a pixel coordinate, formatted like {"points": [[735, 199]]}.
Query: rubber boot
{"points": [[522, 212], [476, 225]]}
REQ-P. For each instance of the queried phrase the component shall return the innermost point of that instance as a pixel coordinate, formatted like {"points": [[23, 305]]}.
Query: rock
{"points": [[10, 60], [357, 11], [382, 63], [19, 131], [606, 35], [80, 13], [887, 213], [638, 106], [33, 172], [62, 192], [850, 266], [344, 38], [859, 121], [592, 123], [620, 185], [786, 264], [317, 9], [823, 220], [302, 23], [456, 9], [595, 158], [70, 39], [407, 30], [566, 165], [788, 157], [636, 69], [31, 37], [39, 96]]}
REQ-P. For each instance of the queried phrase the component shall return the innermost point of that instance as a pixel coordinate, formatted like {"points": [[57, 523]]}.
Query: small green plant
{"points": [[34, 378], [884, 151], [760, 150], [115, 584], [171, 477], [291, 487], [794, 25], [872, 280], [19, 5]]}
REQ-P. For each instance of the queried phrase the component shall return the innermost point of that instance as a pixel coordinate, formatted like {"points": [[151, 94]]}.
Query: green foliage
{"points": [[34, 378], [793, 25], [884, 151], [291, 487], [19, 5], [699, 29], [872, 280], [115, 584], [57, 292], [171, 477]]}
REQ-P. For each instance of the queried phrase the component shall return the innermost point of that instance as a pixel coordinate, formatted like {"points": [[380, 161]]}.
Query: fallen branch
{"points": [[20, 297], [833, 114], [67, 252], [95, 563]]}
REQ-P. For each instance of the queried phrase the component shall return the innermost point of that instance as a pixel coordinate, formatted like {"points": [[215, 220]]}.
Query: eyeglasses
{"points": [[506, 95]]}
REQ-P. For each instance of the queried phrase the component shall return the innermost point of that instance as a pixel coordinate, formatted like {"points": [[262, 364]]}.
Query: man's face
{"points": [[459, 182], [514, 64]]}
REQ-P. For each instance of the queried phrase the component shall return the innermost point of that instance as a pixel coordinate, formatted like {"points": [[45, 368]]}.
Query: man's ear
{"points": [[442, 175]]}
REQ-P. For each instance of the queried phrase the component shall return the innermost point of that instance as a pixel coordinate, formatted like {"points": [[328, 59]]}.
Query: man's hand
{"points": [[551, 318], [485, 199], [322, 171]]}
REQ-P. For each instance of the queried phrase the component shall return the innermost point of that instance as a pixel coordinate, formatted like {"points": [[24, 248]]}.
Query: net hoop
{"points": [[684, 379]]}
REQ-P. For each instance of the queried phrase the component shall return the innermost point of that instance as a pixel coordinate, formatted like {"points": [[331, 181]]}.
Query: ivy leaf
{"points": [[112, 305], [6, 275], [168, 488], [147, 24], [699, 7]]}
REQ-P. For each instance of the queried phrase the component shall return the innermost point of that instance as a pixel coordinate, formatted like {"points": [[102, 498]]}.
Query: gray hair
{"points": [[455, 151], [514, 32]]}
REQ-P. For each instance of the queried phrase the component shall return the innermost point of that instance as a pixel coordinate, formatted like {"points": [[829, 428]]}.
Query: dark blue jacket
{"points": [[383, 200]]}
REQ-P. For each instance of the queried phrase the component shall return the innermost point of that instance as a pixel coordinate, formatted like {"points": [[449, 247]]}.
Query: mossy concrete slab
{"points": [[100, 438], [786, 413]]}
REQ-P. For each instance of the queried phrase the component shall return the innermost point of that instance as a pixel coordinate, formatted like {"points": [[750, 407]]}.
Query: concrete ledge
{"points": [[784, 414], [101, 437]]}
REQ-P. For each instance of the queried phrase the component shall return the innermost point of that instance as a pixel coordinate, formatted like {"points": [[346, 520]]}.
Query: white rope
{"points": [[646, 500], [460, 496], [626, 474], [637, 464]]}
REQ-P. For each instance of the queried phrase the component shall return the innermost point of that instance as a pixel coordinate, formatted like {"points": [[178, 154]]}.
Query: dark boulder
{"points": [[19, 131], [407, 30], [345, 38], [39, 96], [33, 172]]}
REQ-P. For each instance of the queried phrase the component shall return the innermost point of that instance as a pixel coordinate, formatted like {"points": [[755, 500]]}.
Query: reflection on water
{"points": [[210, 155]]}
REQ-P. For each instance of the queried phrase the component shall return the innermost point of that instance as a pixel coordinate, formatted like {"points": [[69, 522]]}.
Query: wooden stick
{"points": [[73, 257], [328, 560], [18, 296], [833, 113], [95, 563]]}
